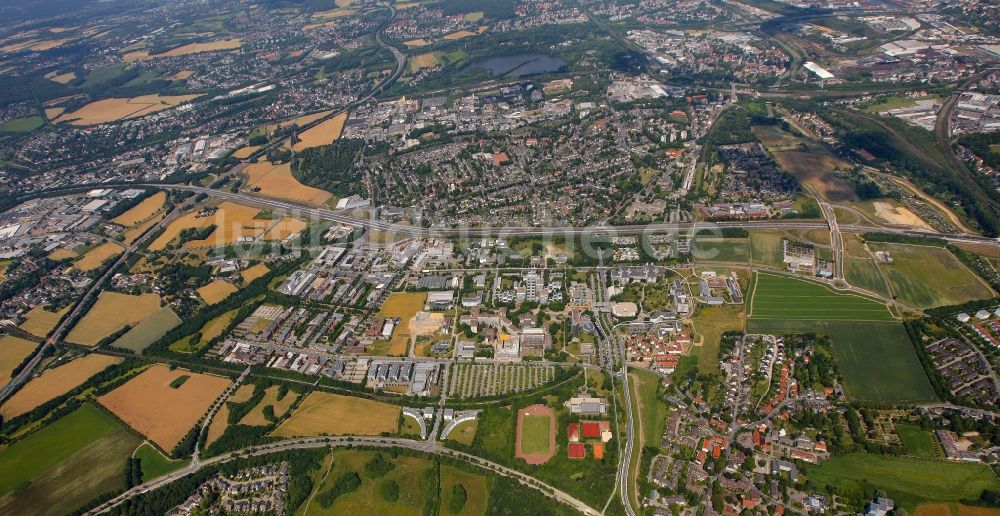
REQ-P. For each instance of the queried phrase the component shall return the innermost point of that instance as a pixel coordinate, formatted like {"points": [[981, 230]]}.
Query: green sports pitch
{"points": [[783, 297]]}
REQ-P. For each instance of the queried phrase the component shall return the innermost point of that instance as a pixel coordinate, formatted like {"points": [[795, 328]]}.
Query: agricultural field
{"points": [[190, 48], [906, 480], [721, 249], [809, 161], [133, 233], [163, 413], [651, 406], [97, 256], [220, 421], [765, 248], [403, 305], [209, 331], [55, 382], [142, 211], [114, 109], [277, 181], [325, 133], [216, 291], [112, 312], [233, 223], [784, 297], [421, 61], [150, 330], [279, 406], [13, 351], [39, 321], [254, 272], [926, 277], [22, 125], [953, 509], [919, 442], [245, 152], [479, 380], [322, 413], [41, 473]]}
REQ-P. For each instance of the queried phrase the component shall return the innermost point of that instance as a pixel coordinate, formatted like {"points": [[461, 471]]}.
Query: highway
{"points": [[333, 442]]}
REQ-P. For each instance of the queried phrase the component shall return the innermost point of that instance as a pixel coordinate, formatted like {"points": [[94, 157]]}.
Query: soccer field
{"points": [[536, 434], [783, 297]]}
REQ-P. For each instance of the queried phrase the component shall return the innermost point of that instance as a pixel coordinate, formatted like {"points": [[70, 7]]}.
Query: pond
{"points": [[521, 65]]}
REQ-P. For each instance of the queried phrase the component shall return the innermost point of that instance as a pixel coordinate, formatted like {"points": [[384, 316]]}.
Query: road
{"points": [[322, 442], [14, 383]]}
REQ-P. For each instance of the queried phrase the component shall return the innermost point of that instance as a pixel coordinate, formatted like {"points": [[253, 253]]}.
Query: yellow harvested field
{"points": [[285, 228], [13, 351], [474, 17], [403, 305], [417, 42], [181, 75], [61, 78], [233, 223], [215, 327], [418, 62], [132, 234], [55, 382], [277, 181], [218, 426], [322, 413], [52, 113], [344, 3], [299, 121], [112, 312], [322, 134], [40, 321], [96, 256], [216, 291], [142, 211], [254, 272], [61, 254], [50, 44], [114, 109], [243, 394], [334, 13], [245, 152], [162, 413], [190, 48], [256, 415], [465, 34]]}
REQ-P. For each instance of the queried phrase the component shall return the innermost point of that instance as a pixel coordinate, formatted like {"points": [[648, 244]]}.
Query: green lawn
{"points": [[150, 330], [918, 441], [22, 125], [765, 248], [721, 249], [863, 273], [927, 277], [535, 434], [654, 408], [65, 465], [103, 75], [907, 480], [495, 435], [476, 492], [409, 473], [154, 464], [784, 297]]}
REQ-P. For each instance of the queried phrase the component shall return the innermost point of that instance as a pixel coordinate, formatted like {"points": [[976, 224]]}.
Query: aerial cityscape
{"points": [[500, 257]]}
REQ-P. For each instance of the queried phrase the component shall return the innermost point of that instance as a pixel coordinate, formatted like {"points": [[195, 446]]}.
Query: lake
{"points": [[520, 65]]}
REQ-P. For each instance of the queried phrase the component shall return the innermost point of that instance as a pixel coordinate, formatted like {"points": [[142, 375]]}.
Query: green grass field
{"points": [[102, 75], [765, 248], [722, 249], [22, 125], [409, 473], [654, 409], [535, 434], [863, 273], [495, 435], [927, 277], [154, 464], [907, 480], [464, 433], [919, 442], [150, 330], [476, 491], [42, 473], [784, 297], [709, 324]]}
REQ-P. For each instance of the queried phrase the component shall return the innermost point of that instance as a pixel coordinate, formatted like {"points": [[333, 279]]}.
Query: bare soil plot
{"points": [[807, 160], [418, 42], [13, 351], [112, 312], [142, 211], [114, 109], [40, 321], [277, 181], [323, 413], [895, 213], [256, 415], [96, 256], [254, 272], [530, 443], [216, 291], [55, 382], [162, 413], [323, 134], [421, 61]]}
